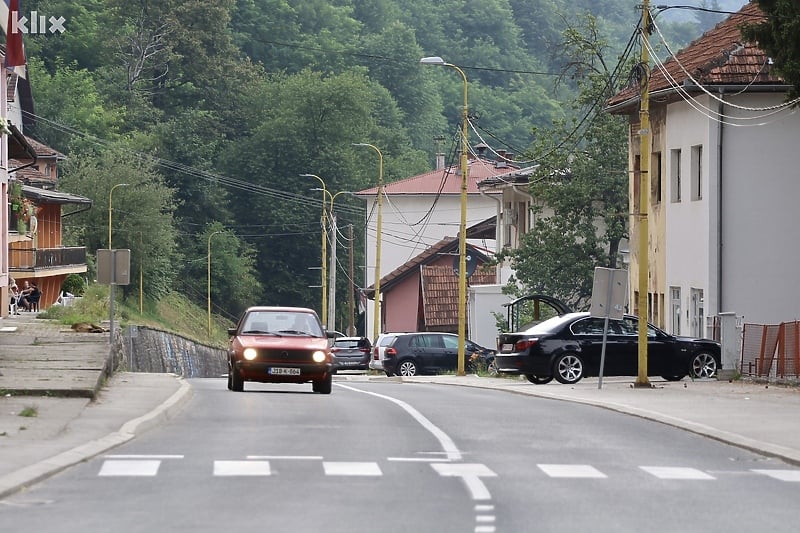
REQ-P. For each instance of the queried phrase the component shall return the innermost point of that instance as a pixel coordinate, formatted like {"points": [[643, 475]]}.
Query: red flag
{"points": [[15, 53]]}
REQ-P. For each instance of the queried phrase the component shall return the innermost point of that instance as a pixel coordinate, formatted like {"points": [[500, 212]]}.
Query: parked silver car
{"points": [[379, 350]]}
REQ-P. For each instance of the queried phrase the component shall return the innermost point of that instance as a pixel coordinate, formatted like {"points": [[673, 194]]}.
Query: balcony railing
{"points": [[43, 258]]}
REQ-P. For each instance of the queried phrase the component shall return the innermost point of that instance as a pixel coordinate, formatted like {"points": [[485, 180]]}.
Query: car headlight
{"points": [[319, 356], [250, 354]]}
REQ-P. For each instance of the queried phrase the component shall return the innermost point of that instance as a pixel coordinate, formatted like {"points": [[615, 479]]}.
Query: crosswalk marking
{"points": [[782, 475], [242, 468], [571, 471], [351, 469], [113, 467], [672, 472]]}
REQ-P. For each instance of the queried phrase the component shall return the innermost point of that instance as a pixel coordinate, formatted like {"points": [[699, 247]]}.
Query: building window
{"points": [[655, 178], [675, 302], [697, 172], [675, 175], [698, 314]]}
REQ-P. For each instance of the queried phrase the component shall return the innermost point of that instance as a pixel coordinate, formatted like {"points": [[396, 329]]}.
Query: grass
{"points": [[29, 412], [174, 313]]}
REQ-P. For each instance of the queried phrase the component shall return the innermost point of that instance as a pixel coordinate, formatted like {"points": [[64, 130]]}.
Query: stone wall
{"points": [[144, 349]]}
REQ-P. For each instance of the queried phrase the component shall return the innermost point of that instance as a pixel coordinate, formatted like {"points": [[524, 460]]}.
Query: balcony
{"points": [[62, 260]]}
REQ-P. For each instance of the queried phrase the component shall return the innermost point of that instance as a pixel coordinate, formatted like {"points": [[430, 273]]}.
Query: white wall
{"points": [[407, 232], [738, 243]]}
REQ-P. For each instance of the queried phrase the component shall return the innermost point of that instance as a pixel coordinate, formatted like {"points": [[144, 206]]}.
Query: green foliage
{"points": [[779, 36], [581, 188], [141, 214], [74, 284]]}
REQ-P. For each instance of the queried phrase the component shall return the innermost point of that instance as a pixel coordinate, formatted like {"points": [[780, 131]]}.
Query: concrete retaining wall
{"points": [[144, 349]]}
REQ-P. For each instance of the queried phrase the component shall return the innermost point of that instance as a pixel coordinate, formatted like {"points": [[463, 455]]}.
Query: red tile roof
{"points": [[446, 180], [719, 57], [440, 294], [42, 150]]}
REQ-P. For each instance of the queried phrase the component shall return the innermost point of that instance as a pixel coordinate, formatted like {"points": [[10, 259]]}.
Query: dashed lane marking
{"points": [[782, 475], [672, 472], [571, 471], [112, 467]]}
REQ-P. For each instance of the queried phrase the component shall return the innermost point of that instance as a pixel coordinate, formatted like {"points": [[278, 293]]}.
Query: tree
{"points": [[779, 36], [580, 186], [141, 216]]}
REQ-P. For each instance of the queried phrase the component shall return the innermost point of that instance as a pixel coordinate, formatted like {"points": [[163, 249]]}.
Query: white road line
{"points": [[351, 469], [242, 468], [782, 475], [471, 475], [287, 457], [155, 456], [485, 529], [674, 472], [129, 468], [571, 471], [449, 447], [483, 508], [417, 459]]}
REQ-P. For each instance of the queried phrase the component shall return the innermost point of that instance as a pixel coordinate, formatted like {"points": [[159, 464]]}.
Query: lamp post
{"points": [[377, 283], [110, 209], [462, 230], [209, 280], [333, 261], [324, 250], [111, 290]]}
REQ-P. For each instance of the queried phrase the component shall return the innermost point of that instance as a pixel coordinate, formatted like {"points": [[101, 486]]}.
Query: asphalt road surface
{"points": [[391, 457]]}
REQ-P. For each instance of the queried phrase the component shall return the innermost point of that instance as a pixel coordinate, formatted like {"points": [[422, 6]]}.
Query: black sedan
{"points": [[569, 347]]}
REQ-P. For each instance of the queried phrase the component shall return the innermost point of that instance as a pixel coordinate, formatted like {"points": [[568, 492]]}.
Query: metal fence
{"points": [[771, 350]]}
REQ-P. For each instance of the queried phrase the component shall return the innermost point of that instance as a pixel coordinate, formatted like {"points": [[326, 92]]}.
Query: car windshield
{"points": [[551, 324], [282, 323], [346, 343]]}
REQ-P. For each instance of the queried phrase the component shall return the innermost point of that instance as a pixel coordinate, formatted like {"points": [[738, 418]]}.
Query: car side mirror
{"points": [[330, 334], [231, 332]]}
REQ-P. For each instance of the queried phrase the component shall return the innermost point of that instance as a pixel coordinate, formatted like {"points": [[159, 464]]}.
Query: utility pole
{"points": [[332, 283], [351, 329], [644, 195]]}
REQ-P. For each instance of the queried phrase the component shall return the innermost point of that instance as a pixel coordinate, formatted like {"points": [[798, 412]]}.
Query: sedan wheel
{"points": [[236, 381], [539, 380], [407, 367], [568, 368], [704, 365], [324, 386]]}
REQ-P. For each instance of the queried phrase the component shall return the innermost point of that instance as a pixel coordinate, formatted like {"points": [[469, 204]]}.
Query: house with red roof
{"points": [[420, 224], [723, 182]]}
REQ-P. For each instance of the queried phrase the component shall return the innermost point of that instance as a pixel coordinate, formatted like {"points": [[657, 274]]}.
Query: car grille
{"points": [[284, 356]]}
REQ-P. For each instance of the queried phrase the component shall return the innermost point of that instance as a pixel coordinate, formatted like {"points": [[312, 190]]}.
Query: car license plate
{"points": [[507, 348], [279, 371]]}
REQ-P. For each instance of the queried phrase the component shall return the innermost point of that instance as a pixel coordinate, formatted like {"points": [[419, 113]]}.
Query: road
{"points": [[392, 457]]}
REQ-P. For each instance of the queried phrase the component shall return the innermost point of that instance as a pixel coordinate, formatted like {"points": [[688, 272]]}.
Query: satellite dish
{"points": [[472, 264]]}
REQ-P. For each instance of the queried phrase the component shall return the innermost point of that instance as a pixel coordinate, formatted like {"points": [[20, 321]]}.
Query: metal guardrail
{"points": [[36, 258]]}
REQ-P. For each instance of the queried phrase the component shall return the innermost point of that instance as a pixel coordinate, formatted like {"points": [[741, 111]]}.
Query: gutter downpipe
{"points": [[720, 135]]}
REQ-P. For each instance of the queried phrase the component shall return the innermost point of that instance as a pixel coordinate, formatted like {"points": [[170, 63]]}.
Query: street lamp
{"points": [[111, 209], [324, 250], [377, 282], [209, 280], [462, 231]]}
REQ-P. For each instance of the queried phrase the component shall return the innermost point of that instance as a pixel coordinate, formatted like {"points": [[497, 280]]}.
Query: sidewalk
{"points": [[59, 374]]}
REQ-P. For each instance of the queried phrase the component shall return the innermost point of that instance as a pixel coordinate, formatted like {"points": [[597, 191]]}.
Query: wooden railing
{"points": [[43, 258]]}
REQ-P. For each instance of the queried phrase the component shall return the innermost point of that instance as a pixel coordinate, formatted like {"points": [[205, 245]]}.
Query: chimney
{"points": [[481, 149], [439, 161]]}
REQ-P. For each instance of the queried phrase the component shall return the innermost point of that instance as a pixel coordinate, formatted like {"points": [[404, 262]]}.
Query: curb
{"points": [[29, 475]]}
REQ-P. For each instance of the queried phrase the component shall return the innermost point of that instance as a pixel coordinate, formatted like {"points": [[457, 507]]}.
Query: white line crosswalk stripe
{"points": [[351, 469], [673, 472], [125, 468], [242, 468], [782, 475], [571, 471]]}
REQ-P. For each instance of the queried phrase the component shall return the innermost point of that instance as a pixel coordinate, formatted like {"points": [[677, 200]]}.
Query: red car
{"points": [[280, 345]]}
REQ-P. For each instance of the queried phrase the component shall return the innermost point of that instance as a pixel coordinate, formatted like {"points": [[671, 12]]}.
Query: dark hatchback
{"points": [[351, 353], [568, 348], [280, 345], [410, 354]]}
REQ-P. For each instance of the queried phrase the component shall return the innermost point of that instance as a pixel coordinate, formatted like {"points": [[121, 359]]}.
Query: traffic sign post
{"points": [[113, 268], [609, 294]]}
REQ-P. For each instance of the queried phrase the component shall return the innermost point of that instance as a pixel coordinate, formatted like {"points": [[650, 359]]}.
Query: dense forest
{"points": [[210, 110]]}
